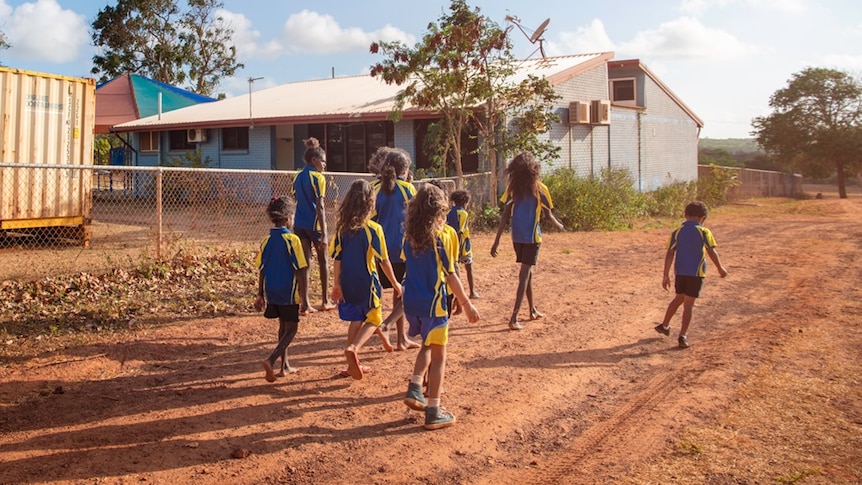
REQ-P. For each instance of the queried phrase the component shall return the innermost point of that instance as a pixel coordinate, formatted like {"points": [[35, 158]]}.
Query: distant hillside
{"points": [[732, 145]]}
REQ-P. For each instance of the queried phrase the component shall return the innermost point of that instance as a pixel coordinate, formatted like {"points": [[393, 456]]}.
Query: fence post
{"points": [[159, 214]]}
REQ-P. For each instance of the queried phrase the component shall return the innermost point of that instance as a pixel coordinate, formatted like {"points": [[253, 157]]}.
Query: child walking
{"points": [[687, 250], [458, 219], [393, 194], [525, 200], [430, 266], [282, 267], [357, 248], [309, 188]]}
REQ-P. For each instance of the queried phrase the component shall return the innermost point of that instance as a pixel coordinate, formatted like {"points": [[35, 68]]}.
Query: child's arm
{"points": [[321, 216], [390, 273], [713, 255], [302, 281], [469, 310], [668, 261], [259, 301], [336, 283], [556, 222], [505, 215]]}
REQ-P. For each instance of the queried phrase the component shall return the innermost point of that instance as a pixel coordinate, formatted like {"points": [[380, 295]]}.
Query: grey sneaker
{"points": [[437, 417], [662, 329], [414, 398], [683, 342]]}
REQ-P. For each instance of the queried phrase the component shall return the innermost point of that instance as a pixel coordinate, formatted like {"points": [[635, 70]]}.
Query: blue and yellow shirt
{"points": [[457, 219], [424, 284], [279, 258], [389, 213], [527, 213], [690, 242], [359, 252], [308, 187]]}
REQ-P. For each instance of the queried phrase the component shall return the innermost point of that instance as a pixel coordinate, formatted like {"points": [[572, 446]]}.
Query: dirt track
{"points": [[589, 394]]}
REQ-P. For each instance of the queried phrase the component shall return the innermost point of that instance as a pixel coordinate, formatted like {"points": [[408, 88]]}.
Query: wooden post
{"points": [[159, 214]]}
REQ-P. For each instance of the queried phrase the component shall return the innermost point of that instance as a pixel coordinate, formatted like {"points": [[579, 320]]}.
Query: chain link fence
{"points": [[68, 219]]}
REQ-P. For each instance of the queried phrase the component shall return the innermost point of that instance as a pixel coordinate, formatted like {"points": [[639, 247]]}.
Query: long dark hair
{"points": [[424, 209], [395, 164], [523, 174], [312, 150], [356, 207]]}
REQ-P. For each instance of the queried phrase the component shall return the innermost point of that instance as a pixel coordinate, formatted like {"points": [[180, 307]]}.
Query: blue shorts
{"points": [[360, 313], [308, 234], [434, 330]]}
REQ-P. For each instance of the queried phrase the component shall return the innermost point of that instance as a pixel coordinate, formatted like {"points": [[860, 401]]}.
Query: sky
{"points": [[723, 58]]}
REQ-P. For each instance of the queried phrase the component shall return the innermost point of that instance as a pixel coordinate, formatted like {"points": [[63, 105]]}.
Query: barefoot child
{"points": [[458, 218], [357, 248], [282, 267], [309, 188], [689, 244], [430, 266], [392, 197], [525, 200]]}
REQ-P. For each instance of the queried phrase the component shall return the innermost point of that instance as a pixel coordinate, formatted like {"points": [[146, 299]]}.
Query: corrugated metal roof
{"points": [[336, 99]]}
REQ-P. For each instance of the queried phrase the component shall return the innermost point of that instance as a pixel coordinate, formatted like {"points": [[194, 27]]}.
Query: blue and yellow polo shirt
{"points": [[690, 242], [527, 213], [279, 258], [308, 187], [359, 252]]}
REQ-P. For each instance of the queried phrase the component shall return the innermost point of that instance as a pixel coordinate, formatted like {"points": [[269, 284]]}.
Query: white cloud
{"points": [[843, 62], [311, 32], [698, 7], [44, 31], [247, 40], [686, 38], [586, 39]]}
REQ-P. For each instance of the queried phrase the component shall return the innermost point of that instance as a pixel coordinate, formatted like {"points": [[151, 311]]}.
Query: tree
{"points": [[462, 69], [155, 38], [816, 125], [4, 43]]}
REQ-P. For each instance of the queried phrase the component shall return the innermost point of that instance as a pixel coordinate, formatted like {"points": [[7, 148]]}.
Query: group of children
{"points": [[390, 235]]}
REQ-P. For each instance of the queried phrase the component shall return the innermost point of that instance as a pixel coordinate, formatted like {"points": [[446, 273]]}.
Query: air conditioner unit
{"points": [[197, 135], [600, 112], [579, 113]]}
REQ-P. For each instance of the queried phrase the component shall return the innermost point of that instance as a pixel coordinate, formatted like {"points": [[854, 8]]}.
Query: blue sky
{"points": [[723, 58]]}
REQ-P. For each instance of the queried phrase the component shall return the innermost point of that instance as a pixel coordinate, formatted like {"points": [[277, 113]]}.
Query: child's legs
{"points": [[672, 307], [280, 350], [352, 331], [364, 332], [320, 248], [523, 281], [468, 267], [687, 307], [437, 370], [306, 249], [404, 341], [423, 360]]}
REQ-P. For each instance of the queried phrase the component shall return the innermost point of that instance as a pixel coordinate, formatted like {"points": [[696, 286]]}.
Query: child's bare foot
{"points": [[384, 338], [327, 305], [407, 344], [515, 325], [353, 368], [267, 367], [306, 310], [287, 370], [535, 314], [475, 295]]}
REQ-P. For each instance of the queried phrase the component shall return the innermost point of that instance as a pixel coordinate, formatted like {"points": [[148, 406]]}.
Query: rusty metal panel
{"points": [[47, 120]]}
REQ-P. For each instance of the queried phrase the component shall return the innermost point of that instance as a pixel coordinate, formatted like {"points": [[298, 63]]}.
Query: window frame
{"points": [[634, 88], [149, 136], [225, 136]]}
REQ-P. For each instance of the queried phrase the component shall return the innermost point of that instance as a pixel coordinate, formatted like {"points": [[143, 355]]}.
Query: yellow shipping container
{"points": [[47, 120]]}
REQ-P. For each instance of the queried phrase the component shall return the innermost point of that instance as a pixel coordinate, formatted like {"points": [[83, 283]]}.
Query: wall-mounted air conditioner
{"points": [[579, 113], [600, 112], [197, 135]]}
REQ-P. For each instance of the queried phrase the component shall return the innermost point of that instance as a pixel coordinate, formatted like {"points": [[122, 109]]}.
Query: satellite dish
{"points": [[541, 30]]}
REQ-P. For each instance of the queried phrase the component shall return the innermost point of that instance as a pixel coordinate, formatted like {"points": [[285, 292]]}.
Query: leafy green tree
{"points": [[4, 43], [816, 125], [717, 156], [462, 69], [155, 38]]}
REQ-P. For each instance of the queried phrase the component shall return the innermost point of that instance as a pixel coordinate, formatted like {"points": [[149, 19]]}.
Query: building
{"points": [[614, 114]]}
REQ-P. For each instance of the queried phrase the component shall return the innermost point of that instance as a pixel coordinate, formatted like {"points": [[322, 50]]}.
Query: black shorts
{"points": [[526, 253], [286, 313], [308, 234], [398, 267], [688, 285]]}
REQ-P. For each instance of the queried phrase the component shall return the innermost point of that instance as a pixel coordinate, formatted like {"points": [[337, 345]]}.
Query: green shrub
{"points": [[606, 203], [712, 188], [670, 200], [486, 219]]}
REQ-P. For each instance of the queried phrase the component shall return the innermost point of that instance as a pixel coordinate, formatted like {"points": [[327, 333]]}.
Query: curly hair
{"points": [[460, 197], [356, 207], [423, 212], [396, 164], [375, 163], [696, 209], [312, 150], [523, 173], [280, 211]]}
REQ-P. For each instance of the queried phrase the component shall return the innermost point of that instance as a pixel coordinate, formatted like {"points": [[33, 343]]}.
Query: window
{"points": [[179, 141], [349, 145], [234, 138], [149, 141], [624, 91]]}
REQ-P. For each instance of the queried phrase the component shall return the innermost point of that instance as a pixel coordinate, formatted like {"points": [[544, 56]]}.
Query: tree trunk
{"points": [[842, 186]]}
